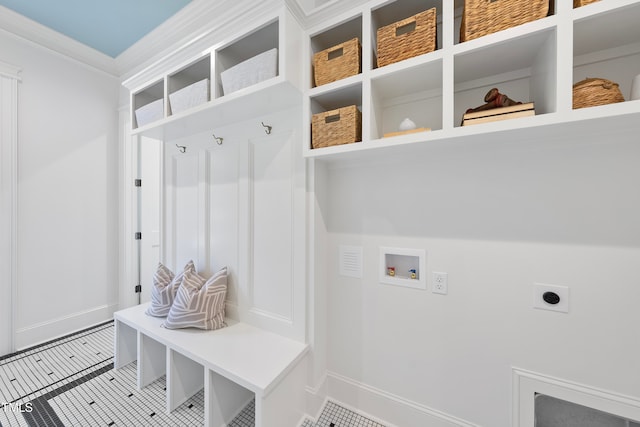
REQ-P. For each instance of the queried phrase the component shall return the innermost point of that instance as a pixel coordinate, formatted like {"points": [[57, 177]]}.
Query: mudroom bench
{"points": [[234, 365]]}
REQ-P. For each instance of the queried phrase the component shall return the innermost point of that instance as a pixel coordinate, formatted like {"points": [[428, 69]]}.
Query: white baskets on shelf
{"points": [[189, 97], [254, 70], [150, 112]]}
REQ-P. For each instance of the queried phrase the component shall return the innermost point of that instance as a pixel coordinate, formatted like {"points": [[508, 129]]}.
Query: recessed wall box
{"points": [[403, 267]]}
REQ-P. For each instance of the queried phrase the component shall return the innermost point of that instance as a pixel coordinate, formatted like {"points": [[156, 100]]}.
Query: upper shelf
{"points": [[215, 88], [537, 62]]}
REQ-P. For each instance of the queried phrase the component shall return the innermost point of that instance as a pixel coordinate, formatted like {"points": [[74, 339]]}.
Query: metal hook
{"points": [[218, 139], [267, 129], [182, 148]]}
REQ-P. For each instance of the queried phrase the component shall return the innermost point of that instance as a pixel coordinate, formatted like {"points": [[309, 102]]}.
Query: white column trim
{"points": [[10, 71], [9, 78]]}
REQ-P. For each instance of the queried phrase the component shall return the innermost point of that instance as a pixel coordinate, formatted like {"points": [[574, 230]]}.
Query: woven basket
{"points": [[410, 37], [482, 17], [337, 62], [578, 3], [336, 127], [592, 92]]}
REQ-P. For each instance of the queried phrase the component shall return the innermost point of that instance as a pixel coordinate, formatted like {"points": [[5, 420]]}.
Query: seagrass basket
{"points": [[592, 92], [578, 3], [405, 39], [482, 17], [337, 62], [336, 127]]}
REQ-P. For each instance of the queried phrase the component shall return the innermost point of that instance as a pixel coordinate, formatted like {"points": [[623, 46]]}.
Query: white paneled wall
{"points": [[67, 180], [240, 204]]}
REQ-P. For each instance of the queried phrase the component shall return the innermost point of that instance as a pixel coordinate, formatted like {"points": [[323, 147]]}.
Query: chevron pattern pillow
{"points": [[199, 303], [164, 289]]}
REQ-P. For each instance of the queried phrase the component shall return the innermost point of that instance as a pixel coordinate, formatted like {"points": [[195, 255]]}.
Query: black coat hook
{"points": [[182, 148], [267, 128], [218, 139]]}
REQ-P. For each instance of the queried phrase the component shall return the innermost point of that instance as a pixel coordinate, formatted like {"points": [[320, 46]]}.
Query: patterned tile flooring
{"points": [[71, 382]]}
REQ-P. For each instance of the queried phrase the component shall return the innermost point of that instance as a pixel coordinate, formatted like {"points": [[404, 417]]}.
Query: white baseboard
{"points": [[51, 329], [384, 407]]}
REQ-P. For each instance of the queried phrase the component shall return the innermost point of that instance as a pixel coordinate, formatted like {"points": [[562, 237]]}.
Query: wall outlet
{"points": [[551, 297], [440, 283]]}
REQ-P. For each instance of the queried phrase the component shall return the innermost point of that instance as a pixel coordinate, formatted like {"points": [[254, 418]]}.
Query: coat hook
{"points": [[182, 148], [267, 129], [218, 139]]}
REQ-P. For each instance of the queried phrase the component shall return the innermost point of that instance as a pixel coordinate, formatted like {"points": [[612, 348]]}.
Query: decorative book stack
{"points": [[497, 114]]}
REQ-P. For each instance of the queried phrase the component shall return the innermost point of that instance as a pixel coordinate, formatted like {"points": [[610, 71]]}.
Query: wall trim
{"points": [[389, 407], [64, 325], [28, 29], [10, 71], [9, 78], [527, 383]]}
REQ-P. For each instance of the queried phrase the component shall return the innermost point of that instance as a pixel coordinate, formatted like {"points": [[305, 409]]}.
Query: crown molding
{"points": [[194, 28], [32, 31], [312, 17], [202, 25]]}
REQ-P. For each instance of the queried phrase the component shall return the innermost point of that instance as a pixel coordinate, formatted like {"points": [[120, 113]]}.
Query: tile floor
{"points": [[71, 382]]}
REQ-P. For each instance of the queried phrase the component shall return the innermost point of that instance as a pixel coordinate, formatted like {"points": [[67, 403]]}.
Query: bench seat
{"points": [[233, 364]]}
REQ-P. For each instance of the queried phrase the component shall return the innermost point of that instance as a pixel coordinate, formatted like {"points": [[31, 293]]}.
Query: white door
{"points": [[149, 212]]}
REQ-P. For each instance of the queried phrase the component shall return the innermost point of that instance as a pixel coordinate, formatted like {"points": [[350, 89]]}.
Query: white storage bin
{"points": [[150, 113], [254, 70], [190, 96]]}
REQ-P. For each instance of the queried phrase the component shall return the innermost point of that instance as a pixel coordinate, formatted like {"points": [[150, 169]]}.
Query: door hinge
{"points": [[138, 235], [138, 289], [137, 183]]}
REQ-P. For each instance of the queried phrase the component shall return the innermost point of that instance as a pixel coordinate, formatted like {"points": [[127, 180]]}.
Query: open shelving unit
{"points": [[535, 62], [279, 31]]}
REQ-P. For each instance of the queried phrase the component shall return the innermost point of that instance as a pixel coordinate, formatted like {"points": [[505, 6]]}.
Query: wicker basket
{"points": [[410, 37], [341, 126], [337, 62], [578, 3], [592, 92], [482, 17]]}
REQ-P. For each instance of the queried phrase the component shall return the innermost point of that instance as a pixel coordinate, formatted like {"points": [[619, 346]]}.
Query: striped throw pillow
{"points": [[164, 289], [199, 303]]}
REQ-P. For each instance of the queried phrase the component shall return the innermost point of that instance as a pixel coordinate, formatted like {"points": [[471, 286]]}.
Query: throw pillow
{"points": [[199, 303], [164, 289]]}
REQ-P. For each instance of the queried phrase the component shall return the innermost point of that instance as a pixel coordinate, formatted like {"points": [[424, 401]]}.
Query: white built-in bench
{"points": [[234, 365]]}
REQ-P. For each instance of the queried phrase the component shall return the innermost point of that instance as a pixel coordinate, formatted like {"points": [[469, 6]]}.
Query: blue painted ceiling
{"points": [[109, 26]]}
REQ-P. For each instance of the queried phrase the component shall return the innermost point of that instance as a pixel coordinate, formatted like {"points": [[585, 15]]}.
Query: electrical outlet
{"points": [[440, 283], [551, 297]]}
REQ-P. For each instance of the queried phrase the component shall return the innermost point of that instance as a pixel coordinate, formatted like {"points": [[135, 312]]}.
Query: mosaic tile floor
{"points": [[334, 415], [71, 382]]}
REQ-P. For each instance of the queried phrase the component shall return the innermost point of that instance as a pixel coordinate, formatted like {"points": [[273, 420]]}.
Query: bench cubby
{"points": [[234, 365]]}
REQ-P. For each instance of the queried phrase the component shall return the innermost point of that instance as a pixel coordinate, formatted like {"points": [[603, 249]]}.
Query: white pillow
{"points": [[164, 289], [199, 303]]}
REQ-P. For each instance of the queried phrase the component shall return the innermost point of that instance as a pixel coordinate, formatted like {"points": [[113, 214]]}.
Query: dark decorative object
{"points": [[494, 99]]}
